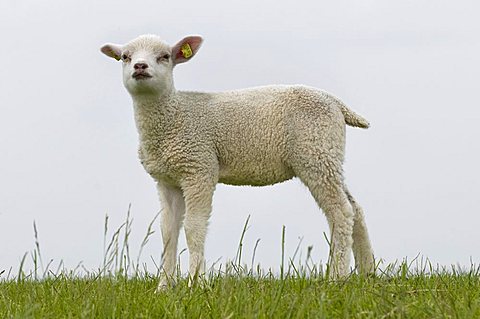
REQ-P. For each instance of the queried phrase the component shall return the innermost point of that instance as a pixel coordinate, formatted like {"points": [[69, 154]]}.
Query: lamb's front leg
{"points": [[171, 220], [198, 201]]}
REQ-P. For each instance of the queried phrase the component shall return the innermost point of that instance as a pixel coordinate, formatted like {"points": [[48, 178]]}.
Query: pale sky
{"points": [[69, 145]]}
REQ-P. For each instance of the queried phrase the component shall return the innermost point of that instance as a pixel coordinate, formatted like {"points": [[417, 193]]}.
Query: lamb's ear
{"points": [[185, 49], [112, 50]]}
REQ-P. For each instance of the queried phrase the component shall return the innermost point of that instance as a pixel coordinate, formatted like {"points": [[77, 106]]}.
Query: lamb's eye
{"points": [[125, 57], [163, 57]]}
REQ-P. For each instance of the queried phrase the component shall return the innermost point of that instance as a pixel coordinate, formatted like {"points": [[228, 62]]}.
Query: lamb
{"points": [[190, 141]]}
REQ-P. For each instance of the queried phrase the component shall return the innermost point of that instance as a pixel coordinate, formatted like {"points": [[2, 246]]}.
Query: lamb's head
{"points": [[148, 62]]}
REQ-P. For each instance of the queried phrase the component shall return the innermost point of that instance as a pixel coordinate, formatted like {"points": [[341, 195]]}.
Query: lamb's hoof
{"points": [[164, 285], [198, 281], [338, 275], [161, 288], [192, 281], [367, 273]]}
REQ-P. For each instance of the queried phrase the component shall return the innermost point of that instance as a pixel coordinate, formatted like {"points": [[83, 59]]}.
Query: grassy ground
{"points": [[402, 295], [119, 289]]}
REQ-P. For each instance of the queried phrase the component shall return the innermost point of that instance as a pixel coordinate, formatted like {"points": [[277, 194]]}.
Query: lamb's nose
{"points": [[140, 65]]}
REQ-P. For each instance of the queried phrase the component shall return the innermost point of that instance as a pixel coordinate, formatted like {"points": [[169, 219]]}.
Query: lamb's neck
{"points": [[152, 115]]}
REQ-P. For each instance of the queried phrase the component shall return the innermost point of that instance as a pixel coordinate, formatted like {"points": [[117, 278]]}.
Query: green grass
{"points": [[439, 295], [119, 289]]}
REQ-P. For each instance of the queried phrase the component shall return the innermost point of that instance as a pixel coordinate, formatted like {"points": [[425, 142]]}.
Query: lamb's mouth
{"points": [[141, 75]]}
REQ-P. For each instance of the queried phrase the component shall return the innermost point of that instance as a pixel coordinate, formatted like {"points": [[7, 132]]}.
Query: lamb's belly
{"points": [[256, 174]]}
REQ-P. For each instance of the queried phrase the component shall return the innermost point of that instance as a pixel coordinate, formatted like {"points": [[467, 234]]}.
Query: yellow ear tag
{"points": [[186, 50]]}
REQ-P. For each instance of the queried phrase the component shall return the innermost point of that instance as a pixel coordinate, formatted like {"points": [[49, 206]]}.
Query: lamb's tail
{"points": [[352, 118]]}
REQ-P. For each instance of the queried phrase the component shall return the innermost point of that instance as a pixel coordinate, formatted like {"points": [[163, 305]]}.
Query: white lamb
{"points": [[190, 141]]}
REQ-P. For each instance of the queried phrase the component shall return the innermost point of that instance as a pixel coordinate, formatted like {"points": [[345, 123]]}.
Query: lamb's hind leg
{"points": [[362, 249], [326, 187]]}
